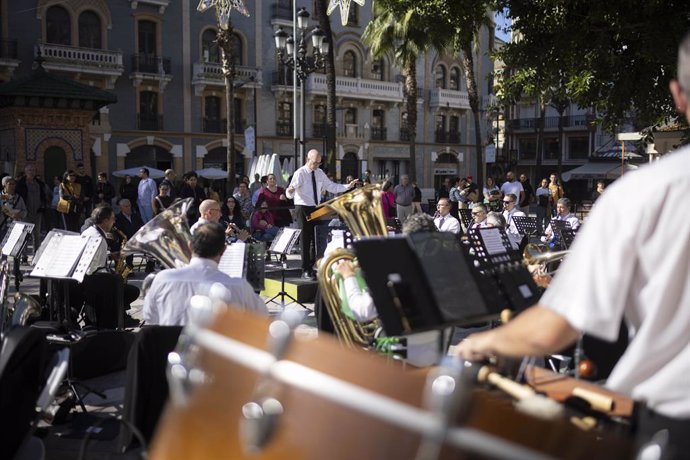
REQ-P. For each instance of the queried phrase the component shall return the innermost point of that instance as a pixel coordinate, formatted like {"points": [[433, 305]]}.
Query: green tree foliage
{"points": [[616, 56]]}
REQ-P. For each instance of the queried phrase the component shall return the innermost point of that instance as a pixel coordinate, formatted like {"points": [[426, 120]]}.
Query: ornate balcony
{"points": [[357, 88], [439, 97], [84, 61], [211, 74], [150, 67], [284, 128], [378, 134]]}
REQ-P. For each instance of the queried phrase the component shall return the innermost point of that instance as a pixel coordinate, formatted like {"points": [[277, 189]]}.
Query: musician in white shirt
{"points": [[511, 210], [305, 188], [479, 216], [625, 272], [562, 213], [168, 300], [445, 222]]}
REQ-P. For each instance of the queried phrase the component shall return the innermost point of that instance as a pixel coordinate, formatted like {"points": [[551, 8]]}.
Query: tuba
{"points": [[166, 237], [362, 211]]}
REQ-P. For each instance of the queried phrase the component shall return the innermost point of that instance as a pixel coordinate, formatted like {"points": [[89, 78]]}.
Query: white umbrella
{"points": [[212, 173], [134, 172]]}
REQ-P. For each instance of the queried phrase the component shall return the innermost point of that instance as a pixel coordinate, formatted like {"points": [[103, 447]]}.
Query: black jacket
{"points": [[22, 190]]}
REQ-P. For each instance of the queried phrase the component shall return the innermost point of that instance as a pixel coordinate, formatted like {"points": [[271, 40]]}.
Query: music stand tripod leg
{"points": [[282, 294]]}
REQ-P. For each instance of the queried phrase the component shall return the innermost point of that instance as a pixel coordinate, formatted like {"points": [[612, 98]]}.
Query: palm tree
{"points": [[399, 35], [325, 24]]}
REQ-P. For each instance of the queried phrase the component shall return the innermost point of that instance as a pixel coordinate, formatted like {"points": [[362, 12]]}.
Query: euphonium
{"points": [[362, 211], [534, 255], [166, 237]]}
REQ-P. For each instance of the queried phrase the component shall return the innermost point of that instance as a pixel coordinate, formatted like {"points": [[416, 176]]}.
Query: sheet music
{"points": [[60, 256], [13, 239], [493, 241], [282, 244], [232, 261], [90, 250]]}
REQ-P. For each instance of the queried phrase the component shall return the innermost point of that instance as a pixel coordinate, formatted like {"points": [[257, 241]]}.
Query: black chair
{"points": [[22, 366], [146, 390]]}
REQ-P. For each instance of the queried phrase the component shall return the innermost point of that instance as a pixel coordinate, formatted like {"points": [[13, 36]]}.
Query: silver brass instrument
{"points": [[166, 237], [362, 211], [535, 255], [22, 312]]}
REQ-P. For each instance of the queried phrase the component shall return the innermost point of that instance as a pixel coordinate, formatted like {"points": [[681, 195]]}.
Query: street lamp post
{"points": [[294, 55], [225, 39]]}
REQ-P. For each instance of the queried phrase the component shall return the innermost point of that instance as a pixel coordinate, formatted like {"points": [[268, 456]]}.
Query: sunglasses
{"points": [[478, 213], [507, 202]]}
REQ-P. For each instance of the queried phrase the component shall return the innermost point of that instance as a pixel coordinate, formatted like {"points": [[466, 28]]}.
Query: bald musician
{"points": [[639, 272]]}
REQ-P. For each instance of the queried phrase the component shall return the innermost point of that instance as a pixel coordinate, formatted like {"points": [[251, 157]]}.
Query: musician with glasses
{"points": [[444, 221], [211, 214], [510, 210], [478, 216], [168, 301], [625, 272], [305, 188]]}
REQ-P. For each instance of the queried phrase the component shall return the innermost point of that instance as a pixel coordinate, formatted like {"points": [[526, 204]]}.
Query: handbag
{"points": [[63, 206]]}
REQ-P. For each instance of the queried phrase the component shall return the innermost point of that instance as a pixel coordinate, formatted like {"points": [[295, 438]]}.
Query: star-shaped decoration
{"points": [[223, 8], [344, 8]]}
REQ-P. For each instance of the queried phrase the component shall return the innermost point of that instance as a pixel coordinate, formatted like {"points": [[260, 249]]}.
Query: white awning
{"points": [[596, 171]]}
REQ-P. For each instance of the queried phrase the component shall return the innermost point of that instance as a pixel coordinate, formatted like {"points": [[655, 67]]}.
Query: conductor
{"points": [[305, 188]]}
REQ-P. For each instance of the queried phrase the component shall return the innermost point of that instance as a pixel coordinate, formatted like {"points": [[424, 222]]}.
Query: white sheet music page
{"points": [[493, 241], [62, 257], [87, 255], [48, 250], [12, 240], [286, 237], [232, 261]]}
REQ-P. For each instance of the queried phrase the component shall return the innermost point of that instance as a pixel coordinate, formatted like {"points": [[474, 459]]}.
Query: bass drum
{"points": [[207, 426]]}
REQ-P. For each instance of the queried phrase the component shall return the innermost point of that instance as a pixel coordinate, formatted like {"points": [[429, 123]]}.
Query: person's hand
{"points": [[229, 230], [353, 183], [346, 269], [476, 347], [263, 223], [291, 189], [243, 235], [283, 197]]}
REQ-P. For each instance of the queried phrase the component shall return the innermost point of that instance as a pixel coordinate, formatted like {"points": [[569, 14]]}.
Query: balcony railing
{"points": [[150, 63], [211, 73], [441, 136], [453, 137], [80, 60], [378, 134], [569, 121], [404, 134], [283, 78], [284, 128], [439, 97], [149, 122], [357, 88], [8, 49]]}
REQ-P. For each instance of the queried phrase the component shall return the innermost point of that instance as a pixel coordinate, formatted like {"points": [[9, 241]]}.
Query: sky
{"points": [[502, 21]]}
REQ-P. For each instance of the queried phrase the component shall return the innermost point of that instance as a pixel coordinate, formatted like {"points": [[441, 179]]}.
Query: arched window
{"points": [[90, 30], [440, 76], [349, 64], [349, 165], [212, 122], [377, 71], [209, 48], [454, 79], [237, 49], [58, 26]]}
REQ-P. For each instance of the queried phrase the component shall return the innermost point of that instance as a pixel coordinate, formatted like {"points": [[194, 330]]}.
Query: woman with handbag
{"points": [[70, 204]]}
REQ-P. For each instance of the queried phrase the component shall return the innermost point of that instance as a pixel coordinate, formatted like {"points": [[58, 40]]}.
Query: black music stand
{"points": [[526, 225], [14, 243], [496, 257], [282, 244], [465, 217], [563, 233]]}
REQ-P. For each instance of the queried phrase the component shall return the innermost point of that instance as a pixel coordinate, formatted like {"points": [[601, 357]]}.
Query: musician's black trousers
{"points": [[108, 296], [306, 238], [647, 423]]}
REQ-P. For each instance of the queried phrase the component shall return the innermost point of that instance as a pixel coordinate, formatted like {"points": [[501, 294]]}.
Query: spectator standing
{"points": [[55, 218], [444, 189], [256, 185], [601, 186], [128, 191], [277, 202], [543, 200], [86, 183], [512, 186], [169, 180], [162, 200], [388, 200], [145, 192], [104, 192], [557, 193], [191, 189], [404, 193], [70, 204], [528, 198], [416, 199], [255, 196], [36, 197], [245, 199]]}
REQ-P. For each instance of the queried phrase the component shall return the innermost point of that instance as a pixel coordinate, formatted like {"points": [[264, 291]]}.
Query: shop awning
{"points": [[596, 170]]}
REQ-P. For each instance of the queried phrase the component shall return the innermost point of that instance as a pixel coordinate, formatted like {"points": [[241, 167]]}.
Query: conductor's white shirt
{"points": [[167, 302], [639, 271], [301, 181]]}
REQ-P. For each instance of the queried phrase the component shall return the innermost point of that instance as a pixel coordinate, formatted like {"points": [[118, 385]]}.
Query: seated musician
{"points": [[562, 213], [168, 300], [445, 222], [210, 213], [478, 216], [637, 272], [510, 210], [11, 204], [422, 348], [101, 286], [495, 219]]}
